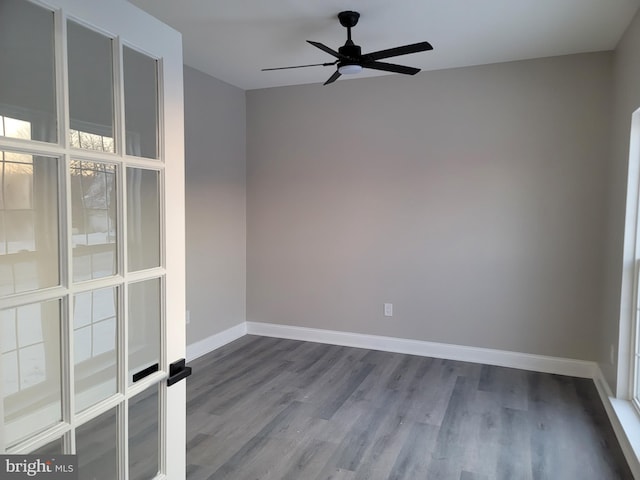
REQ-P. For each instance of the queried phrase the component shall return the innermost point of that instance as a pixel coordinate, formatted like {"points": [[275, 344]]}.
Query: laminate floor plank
{"points": [[484, 442], [265, 408], [335, 474], [512, 459], [343, 390], [458, 424], [246, 386], [253, 445], [235, 370], [319, 371], [380, 458], [199, 472], [465, 475], [413, 460], [509, 383], [308, 458]]}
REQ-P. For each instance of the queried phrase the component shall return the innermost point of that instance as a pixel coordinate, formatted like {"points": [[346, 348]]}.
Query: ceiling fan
{"points": [[350, 59]]}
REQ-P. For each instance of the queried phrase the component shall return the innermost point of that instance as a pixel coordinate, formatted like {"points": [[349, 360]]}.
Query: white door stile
{"points": [[66, 272], [121, 435], [67, 373], [174, 201]]}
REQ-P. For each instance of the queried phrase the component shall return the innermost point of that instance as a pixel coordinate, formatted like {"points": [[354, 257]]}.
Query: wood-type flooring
{"points": [[264, 408]]}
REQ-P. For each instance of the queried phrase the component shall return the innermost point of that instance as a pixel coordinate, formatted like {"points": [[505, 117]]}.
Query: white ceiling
{"points": [[234, 39]]}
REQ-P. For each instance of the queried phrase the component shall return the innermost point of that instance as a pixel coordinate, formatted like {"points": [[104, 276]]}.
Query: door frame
{"points": [[130, 26]]}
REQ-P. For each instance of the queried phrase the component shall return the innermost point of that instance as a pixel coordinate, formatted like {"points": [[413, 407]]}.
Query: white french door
{"points": [[92, 281]]}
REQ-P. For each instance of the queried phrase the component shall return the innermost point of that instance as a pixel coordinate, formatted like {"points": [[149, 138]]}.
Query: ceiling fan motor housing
{"points": [[351, 50]]}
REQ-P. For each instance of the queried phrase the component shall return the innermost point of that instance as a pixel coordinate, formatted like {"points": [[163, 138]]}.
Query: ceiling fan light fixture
{"points": [[349, 69], [349, 57]]}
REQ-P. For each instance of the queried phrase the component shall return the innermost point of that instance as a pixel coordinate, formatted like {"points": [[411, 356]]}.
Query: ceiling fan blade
{"points": [[324, 48], [300, 66], [397, 51], [390, 67], [333, 78]]}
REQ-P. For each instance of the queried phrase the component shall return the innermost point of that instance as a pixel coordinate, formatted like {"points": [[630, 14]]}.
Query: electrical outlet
{"points": [[388, 309], [188, 317]]}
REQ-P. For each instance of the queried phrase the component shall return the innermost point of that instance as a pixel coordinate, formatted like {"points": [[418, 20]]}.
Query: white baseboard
{"points": [[524, 361], [624, 420], [209, 344]]}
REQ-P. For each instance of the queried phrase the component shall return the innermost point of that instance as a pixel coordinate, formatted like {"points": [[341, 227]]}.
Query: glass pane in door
{"points": [[141, 104], [96, 447], [144, 325], [95, 329], [93, 218], [144, 435], [31, 364], [28, 222], [143, 218], [27, 89], [52, 448], [90, 60]]}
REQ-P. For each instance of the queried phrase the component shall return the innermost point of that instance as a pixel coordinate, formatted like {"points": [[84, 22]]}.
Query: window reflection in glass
{"points": [[144, 325], [93, 197], [50, 449], [144, 434], [28, 222], [91, 141], [31, 365], [95, 334], [28, 87], [143, 218], [96, 447], [14, 128], [90, 88], [141, 104]]}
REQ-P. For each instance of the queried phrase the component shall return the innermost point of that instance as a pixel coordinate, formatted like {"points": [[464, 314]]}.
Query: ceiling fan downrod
{"points": [[348, 19]]}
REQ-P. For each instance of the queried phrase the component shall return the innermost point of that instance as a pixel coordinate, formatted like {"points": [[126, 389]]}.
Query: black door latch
{"points": [[177, 371]]}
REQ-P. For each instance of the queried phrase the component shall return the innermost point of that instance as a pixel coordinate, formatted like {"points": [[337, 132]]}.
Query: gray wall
{"points": [[619, 265], [472, 199], [215, 204]]}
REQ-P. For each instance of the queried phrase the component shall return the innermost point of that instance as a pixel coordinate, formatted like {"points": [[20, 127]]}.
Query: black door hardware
{"points": [[145, 373], [177, 371]]}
